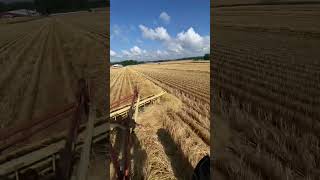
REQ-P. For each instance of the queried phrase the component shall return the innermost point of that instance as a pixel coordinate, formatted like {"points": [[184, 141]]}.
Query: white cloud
{"points": [[126, 53], [112, 53], [191, 40], [186, 42], [174, 47], [160, 53], [138, 53], [158, 33], [136, 50], [165, 17]]}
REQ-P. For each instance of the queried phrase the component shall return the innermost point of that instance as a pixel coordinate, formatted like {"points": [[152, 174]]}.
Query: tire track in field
{"points": [[119, 91], [11, 42], [90, 34], [114, 87], [14, 88], [27, 105], [54, 86], [69, 76], [116, 90], [7, 75], [114, 81], [55, 89], [125, 87], [130, 81]]}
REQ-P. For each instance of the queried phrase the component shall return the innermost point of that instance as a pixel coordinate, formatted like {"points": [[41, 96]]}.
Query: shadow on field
{"points": [[181, 167], [139, 158]]}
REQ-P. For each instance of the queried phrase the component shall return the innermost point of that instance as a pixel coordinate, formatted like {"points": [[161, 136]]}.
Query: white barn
{"points": [[19, 13], [117, 66]]}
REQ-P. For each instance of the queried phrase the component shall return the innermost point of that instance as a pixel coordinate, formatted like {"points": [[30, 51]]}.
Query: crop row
{"points": [[282, 58], [194, 114], [269, 61], [266, 91], [289, 82], [183, 84]]}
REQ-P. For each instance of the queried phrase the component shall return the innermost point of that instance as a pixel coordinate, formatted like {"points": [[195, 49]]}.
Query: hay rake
{"points": [[54, 156], [127, 126]]}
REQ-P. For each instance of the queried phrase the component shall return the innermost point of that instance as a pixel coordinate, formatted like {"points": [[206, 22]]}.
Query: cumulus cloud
{"points": [[191, 40], [134, 52], [126, 53], [174, 47], [165, 17], [138, 53], [162, 53], [159, 33], [186, 42], [112, 53]]}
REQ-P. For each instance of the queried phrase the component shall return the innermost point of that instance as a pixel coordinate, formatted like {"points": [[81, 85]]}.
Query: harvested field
{"points": [[47, 47], [161, 150], [265, 81], [41, 62]]}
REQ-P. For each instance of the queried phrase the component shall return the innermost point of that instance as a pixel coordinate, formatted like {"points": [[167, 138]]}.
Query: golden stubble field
{"points": [[175, 131], [266, 71], [41, 61]]}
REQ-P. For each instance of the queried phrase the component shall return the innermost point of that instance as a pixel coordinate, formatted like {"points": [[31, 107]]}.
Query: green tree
{"points": [[44, 6], [206, 57], [3, 7]]}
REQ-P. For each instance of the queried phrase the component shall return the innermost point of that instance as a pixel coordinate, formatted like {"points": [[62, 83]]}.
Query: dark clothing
{"points": [[202, 170]]}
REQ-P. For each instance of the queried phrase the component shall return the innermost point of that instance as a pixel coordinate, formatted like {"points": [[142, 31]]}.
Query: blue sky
{"points": [[159, 29]]}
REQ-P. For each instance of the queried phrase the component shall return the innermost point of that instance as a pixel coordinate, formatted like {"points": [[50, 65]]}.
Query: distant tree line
{"points": [[134, 62], [128, 62], [16, 5], [54, 6], [205, 57], [272, 2]]}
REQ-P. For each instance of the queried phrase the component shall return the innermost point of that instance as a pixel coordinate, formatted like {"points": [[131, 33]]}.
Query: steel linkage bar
{"points": [[10, 138], [67, 154]]}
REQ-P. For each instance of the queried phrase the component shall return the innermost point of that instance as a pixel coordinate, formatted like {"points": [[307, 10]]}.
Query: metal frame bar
{"points": [[9, 167]]}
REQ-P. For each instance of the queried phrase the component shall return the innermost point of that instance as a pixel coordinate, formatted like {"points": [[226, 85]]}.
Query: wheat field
{"points": [[175, 131]]}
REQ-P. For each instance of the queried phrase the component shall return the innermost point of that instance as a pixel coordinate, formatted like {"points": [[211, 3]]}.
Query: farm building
{"points": [[116, 66], [19, 13]]}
